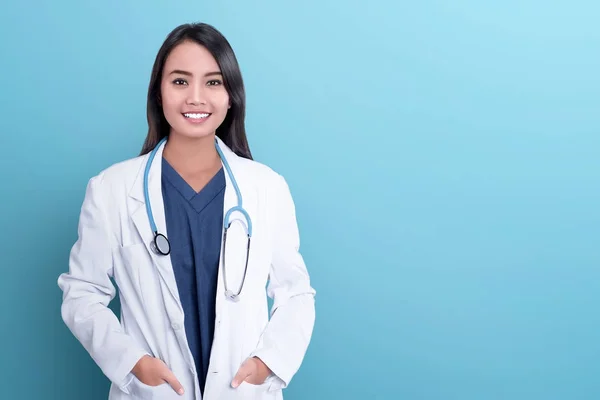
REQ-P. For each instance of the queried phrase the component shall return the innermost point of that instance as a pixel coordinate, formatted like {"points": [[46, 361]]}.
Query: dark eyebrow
{"points": [[181, 72], [213, 73]]}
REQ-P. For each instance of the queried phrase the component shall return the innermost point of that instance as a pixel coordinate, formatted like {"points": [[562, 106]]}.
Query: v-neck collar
{"points": [[198, 200]]}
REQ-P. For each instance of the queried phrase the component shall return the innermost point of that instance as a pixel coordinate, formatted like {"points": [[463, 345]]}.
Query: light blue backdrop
{"points": [[444, 158]]}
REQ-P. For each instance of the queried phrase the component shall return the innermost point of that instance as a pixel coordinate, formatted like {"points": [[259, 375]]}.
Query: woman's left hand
{"points": [[253, 371]]}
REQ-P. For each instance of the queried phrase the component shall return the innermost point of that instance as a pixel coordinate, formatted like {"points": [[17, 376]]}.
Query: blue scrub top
{"points": [[194, 226]]}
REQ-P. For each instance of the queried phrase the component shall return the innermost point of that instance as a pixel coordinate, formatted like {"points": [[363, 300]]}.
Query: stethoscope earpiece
{"points": [[232, 296]]}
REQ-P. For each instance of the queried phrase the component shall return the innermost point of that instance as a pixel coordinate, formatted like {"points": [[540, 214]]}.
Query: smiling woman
{"points": [[194, 312], [193, 87], [200, 67]]}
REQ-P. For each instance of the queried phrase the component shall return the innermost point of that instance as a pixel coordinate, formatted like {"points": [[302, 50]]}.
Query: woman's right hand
{"points": [[153, 372]]}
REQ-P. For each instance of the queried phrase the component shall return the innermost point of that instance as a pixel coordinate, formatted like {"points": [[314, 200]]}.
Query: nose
{"points": [[196, 95]]}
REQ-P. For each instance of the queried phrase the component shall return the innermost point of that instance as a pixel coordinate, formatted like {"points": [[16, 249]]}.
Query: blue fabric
{"points": [[194, 223]]}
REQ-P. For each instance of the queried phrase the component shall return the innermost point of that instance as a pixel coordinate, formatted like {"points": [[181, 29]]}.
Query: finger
{"points": [[254, 379], [172, 380], [244, 372]]}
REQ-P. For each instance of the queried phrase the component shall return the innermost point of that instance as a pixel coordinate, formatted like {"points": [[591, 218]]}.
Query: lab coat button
{"points": [[175, 326]]}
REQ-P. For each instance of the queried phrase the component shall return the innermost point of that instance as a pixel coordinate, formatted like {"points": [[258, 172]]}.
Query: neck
{"points": [[191, 155]]}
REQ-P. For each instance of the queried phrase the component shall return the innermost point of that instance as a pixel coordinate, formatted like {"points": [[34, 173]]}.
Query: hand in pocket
{"points": [[154, 372], [253, 371]]}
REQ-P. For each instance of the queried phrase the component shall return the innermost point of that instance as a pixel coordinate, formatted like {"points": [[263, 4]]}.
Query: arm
{"points": [[285, 340], [87, 291]]}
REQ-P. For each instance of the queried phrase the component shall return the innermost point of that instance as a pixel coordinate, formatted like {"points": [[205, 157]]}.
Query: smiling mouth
{"points": [[196, 116]]}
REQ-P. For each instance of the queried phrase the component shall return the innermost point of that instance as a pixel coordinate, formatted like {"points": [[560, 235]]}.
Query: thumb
{"points": [[244, 372], [172, 380]]}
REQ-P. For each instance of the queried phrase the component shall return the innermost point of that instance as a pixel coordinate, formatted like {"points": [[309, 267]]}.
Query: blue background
{"points": [[444, 159]]}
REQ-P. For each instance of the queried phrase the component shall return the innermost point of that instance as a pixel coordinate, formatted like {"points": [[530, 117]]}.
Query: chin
{"points": [[193, 133]]}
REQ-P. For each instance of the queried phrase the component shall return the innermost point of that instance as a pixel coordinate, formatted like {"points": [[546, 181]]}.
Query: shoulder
{"points": [[271, 184], [122, 170], [262, 175], [119, 177]]}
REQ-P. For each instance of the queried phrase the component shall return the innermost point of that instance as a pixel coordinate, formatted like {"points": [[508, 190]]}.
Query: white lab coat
{"points": [[114, 242]]}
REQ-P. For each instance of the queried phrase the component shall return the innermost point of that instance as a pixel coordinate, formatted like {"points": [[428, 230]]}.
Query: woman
{"points": [[192, 231]]}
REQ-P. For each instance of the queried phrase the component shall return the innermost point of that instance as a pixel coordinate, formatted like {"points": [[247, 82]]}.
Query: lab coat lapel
{"points": [[142, 222]]}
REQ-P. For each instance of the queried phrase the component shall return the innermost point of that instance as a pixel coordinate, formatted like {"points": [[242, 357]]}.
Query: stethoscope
{"points": [[160, 243]]}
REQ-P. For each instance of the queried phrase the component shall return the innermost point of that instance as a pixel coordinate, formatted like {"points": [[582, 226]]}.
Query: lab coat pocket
{"points": [[139, 390], [132, 266], [250, 391], [127, 260]]}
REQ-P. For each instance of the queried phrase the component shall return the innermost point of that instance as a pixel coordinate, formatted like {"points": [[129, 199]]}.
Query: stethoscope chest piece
{"points": [[161, 244]]}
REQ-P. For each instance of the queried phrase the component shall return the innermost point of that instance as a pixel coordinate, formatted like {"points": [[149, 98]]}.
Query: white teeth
{"points": [[196, 116]]}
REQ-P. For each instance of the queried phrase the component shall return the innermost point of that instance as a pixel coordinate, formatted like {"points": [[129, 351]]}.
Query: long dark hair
{"points": [[232, 131]]}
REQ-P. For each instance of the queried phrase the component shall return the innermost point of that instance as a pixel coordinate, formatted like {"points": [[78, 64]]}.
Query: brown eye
{"points": [[214, 82], [179, 81]]}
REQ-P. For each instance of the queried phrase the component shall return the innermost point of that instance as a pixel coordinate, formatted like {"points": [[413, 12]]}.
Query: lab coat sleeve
{"points": [[87, 291], [284, 342]]}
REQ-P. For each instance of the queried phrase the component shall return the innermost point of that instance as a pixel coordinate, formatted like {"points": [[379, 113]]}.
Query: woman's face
{"points": [[194, 98]]}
